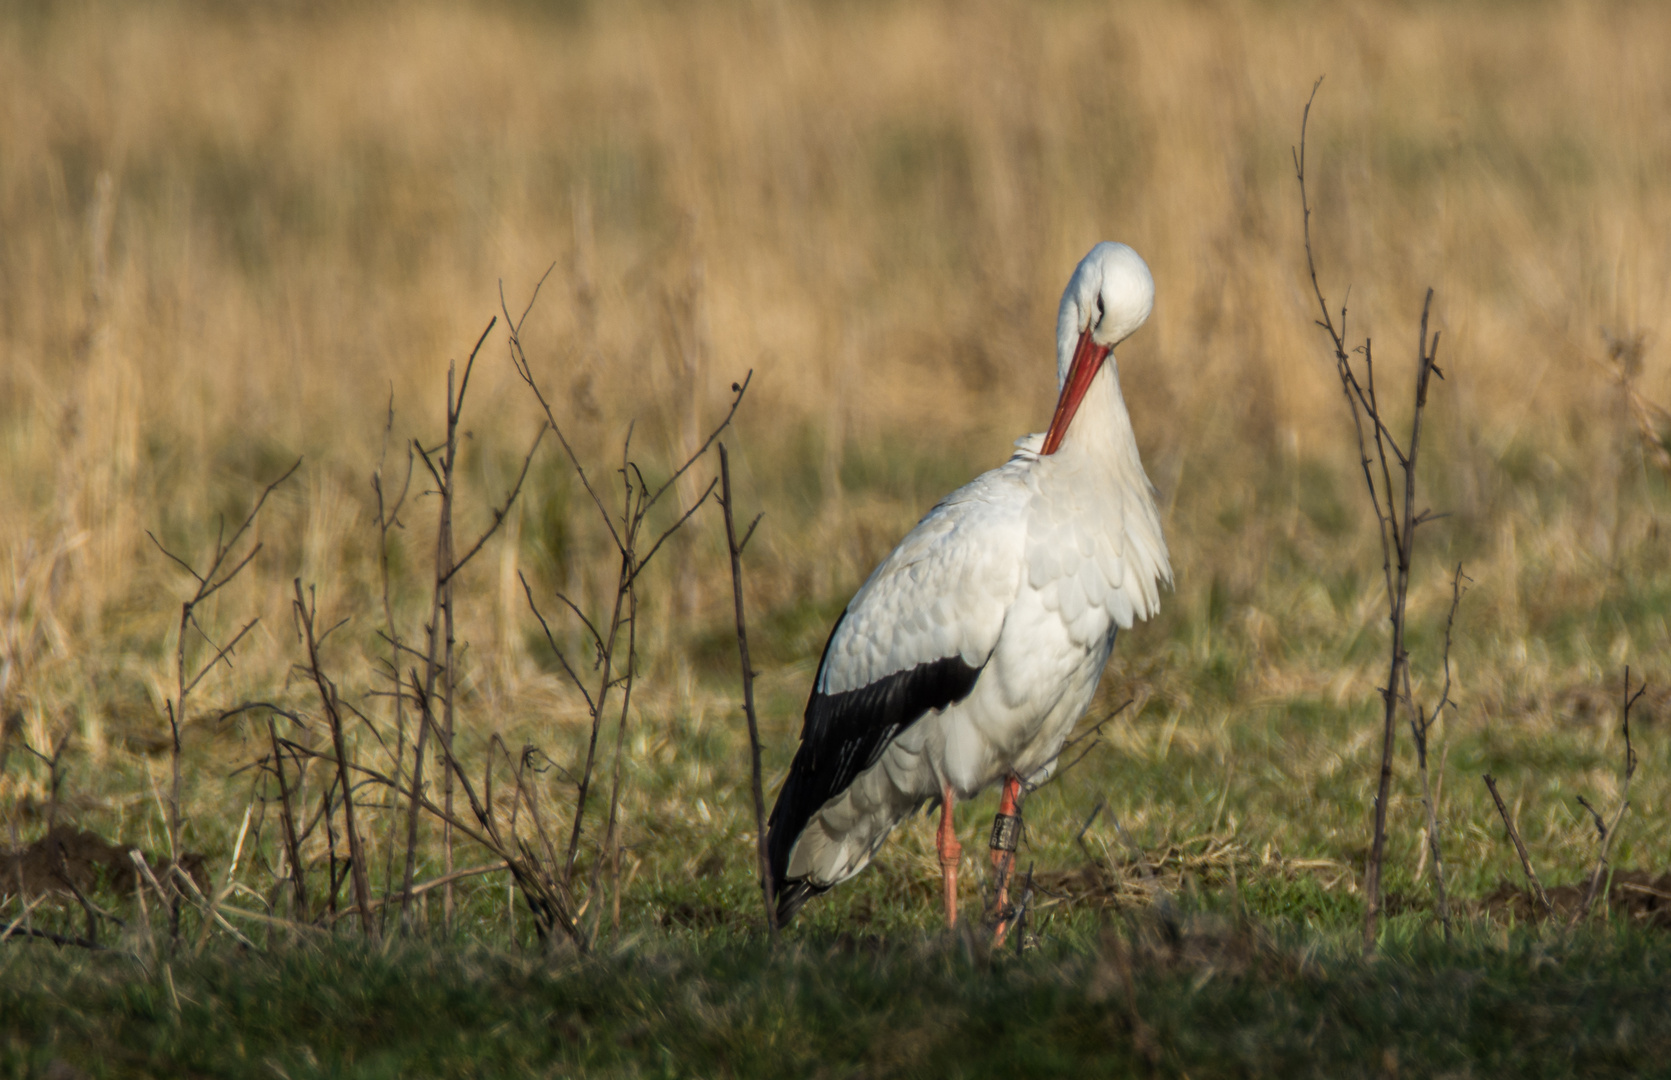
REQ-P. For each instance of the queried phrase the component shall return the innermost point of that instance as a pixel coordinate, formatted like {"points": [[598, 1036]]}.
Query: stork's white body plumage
{"points": [[976, 646]]}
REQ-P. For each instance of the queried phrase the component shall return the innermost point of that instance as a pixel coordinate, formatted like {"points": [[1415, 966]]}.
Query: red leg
{"points": [[1003, 859], [950, 852]]}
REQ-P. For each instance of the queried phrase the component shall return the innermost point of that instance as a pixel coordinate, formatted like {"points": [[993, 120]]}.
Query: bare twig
{"points": [[763, 864], [613, 639], [1419, 727], [611, 842], [1021, 911], [1609, 833], [1091, 734], [440, 659], [1396, 525], [17, 928], [500, 513], [305, 615], [222, 569], [287, 818], [1520, 849], [546, 901], [435, 883], [388, 518]]}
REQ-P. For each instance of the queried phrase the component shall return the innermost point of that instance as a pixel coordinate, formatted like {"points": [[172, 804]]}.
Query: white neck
{"points": [[1098, 469], [1101, 431]]}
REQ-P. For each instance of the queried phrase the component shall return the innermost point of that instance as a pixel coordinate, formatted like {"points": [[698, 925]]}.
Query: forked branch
{"points": [[1396, 518]]}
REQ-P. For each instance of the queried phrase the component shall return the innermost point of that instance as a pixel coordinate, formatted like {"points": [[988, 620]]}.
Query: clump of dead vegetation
{"points": [[344, 791]]}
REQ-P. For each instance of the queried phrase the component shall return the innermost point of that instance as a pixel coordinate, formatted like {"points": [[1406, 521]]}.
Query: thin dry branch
{"points": [[562, 657], [287, 820], [1611, 831], [440, 675], [1520, 848], [519, 359], [763, 863], [544, 900], [216, 577], [306, 612], [614, 639], [1419, 727], [501, 512], [388, 518], [1092, 734], [1396, 525], [435, 883]]}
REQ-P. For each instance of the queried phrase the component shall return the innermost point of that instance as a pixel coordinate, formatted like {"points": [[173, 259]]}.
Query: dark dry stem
{"points": [[388, 517], [551, 641], [1611, 831], [18, 929], [439, 655], [546, 899], [502, 512], [1595, 816], [611, 844], [223, 652], [605, 681], [625, 531], [528, 797], [435, 883], [305, 614], [1419, 726], [1520, 848], [1020, 927], [519, 359], [211, 581], [1397, 528], [444, 566], [763, 864], [686, 516], [287, 820], [547, 904]]}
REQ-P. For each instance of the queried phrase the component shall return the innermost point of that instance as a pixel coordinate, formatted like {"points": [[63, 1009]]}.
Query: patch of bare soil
{"points": [[68, 860], [1637, 896]]}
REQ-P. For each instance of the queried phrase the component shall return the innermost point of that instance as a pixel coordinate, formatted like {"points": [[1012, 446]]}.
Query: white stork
{"points": [[976, 646]]}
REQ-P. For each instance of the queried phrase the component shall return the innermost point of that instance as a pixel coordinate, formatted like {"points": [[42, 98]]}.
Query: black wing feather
{"points": [[843, 735]]}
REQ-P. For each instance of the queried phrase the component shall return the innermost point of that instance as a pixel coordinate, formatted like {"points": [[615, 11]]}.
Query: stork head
{"points": [[1107, 299]]}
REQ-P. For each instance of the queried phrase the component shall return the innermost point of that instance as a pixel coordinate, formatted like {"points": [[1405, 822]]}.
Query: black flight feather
{"points": [[843, 735]]}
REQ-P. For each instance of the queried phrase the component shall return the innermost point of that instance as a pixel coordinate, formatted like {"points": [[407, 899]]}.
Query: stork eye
{"points": [[1099, 310]]}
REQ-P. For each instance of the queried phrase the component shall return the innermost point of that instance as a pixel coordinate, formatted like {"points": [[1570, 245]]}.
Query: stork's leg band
{"points": [[1006, 830]]}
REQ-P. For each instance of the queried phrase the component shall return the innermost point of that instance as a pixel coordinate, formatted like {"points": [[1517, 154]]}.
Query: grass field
{"points": [[235, 237]]}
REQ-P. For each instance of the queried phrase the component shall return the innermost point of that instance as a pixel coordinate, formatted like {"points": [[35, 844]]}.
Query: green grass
{"points": [[1112, 998]]}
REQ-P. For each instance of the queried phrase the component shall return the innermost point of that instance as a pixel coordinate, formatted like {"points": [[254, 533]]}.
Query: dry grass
{"points": [[230, 238]]}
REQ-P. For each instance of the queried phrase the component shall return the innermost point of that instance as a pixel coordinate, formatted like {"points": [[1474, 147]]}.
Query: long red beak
{"points": [[1087, 361]]}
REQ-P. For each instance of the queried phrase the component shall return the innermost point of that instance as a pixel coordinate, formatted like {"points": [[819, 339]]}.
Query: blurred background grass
{"points": [[238, 234]]}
